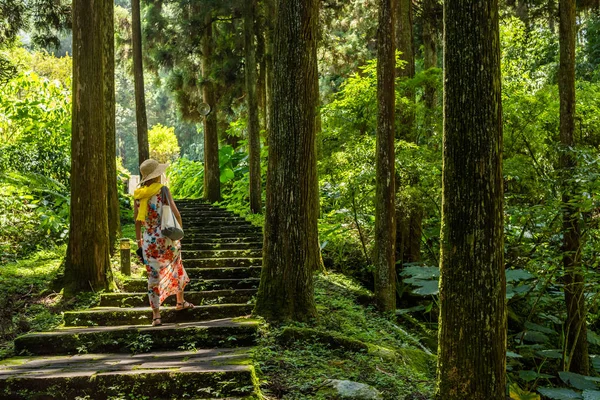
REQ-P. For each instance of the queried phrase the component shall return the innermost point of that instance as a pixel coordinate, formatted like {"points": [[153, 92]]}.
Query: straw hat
{"points": [[151, 169]]}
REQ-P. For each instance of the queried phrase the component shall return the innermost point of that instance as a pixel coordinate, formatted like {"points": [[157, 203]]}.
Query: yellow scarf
{"points": [[143, 194]]}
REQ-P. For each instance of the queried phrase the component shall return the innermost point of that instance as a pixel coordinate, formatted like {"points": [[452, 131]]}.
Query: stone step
{"points": [[141, 285], [222, 229], [232, 237], [197, 222], [199, 263], [225, 220], [206, 374], [224, 273], [198, 298], [135, 338], [114, 316], [221, 253], [221, 246]]}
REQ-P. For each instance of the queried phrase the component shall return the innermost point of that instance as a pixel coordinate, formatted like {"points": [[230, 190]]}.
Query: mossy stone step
{"points": [[224, 272], [200, 218], [211, 373], [114, 316], [239, 229], [220, 262], [200, 222], [221, 253], [141, 285], [196, 297], [135, 338], [221, 246], [222, 238]]}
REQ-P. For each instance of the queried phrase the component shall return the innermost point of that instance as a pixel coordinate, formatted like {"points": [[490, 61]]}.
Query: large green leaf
{"points": [[591, 395], [560, 394], [514, 275], [530, 375], [578, 381], [595, 362]]}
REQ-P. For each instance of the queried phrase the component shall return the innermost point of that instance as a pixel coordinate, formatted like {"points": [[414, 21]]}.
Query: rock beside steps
{"points": [[112, 352]]}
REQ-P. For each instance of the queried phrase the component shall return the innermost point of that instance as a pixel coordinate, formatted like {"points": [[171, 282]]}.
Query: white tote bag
{"points": [[169, 225]]}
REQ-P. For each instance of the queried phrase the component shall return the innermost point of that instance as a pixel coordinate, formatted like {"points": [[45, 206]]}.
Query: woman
{"points": [[161, 255]]}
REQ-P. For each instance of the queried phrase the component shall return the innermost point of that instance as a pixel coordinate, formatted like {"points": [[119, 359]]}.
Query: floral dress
{"points": [[162, 256]]}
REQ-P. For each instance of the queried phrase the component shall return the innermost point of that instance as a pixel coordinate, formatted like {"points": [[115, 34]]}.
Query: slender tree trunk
{"points": [[138, 77], [114, 217], [252, 104], [87, 263], [291, 246], [430, 50], [212, 175], [576, 338], [385, 214], [472, 324], [404, 44]]}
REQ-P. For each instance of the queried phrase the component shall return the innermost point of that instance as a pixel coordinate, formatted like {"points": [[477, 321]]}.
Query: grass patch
{"points": [[348, 341], [30, 300]]}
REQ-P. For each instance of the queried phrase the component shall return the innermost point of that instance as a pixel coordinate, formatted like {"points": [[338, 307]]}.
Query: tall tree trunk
{"points": [[271, 13], [87, 263], [291, 246], [472, 324], [138, 77], [404, 44], [212, 175], [430, 51], [576, 338], [114, 216], [252, 104], [385, 214], [261, 90]]}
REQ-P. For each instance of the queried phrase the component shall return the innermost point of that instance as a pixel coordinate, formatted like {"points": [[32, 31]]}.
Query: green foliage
{"points": [[163, 144]]}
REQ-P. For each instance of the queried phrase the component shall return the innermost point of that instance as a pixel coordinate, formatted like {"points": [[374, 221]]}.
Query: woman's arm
{"points": [[174, 208], [138, 225]]}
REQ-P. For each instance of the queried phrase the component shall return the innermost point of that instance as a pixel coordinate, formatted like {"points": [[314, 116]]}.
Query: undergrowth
{"points": [[31, 300], [298, 369]]}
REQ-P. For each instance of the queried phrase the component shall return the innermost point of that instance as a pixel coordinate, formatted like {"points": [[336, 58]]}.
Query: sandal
{"points": [[183, 306], [155, 323]]}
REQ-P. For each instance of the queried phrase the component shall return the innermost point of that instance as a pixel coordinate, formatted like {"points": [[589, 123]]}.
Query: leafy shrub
{"points": [[163, 144]]}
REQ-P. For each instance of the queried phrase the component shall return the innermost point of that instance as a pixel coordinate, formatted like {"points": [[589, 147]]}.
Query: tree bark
{"points": [[409, 230], [430, 49], [138, 77], [261, 89], [87, 263], [404, 44], [575, 326], [291, 246], [252, 104], [212, 175], [385, 214], [271, 13], [472, 324], [114, 217]]}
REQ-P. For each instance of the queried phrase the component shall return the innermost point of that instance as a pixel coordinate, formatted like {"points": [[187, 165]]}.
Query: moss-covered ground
{"points": [[350, 341]]}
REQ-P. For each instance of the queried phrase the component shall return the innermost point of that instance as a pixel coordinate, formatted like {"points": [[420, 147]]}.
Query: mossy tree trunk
{"points": [[212, 174], [430, 55], [261, 61], [472, 324], [252, 104], [404, 44], [87, 263], [291, 246], [385, 214], [576, 346], [114, 217], [270, 14], [138, 77]]}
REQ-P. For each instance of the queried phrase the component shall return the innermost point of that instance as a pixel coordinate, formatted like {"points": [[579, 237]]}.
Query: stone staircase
{"points": [[112, 352]]}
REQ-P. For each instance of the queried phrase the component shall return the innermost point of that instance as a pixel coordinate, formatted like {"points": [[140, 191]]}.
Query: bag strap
{"points": [[164, 191]]}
